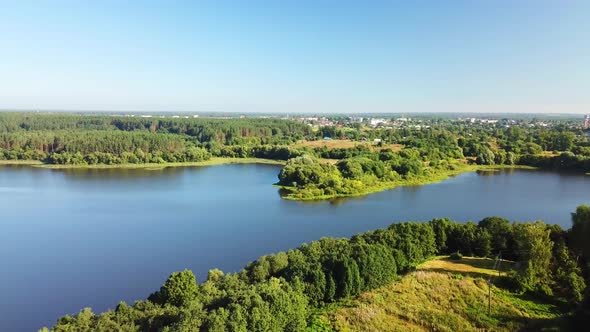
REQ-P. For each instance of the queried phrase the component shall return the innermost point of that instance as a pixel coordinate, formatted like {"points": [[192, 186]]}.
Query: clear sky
{"points": [[296, 56]]}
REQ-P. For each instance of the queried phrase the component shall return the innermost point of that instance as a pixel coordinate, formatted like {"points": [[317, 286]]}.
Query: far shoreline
{"points": [[211, 162], [292, 195]]}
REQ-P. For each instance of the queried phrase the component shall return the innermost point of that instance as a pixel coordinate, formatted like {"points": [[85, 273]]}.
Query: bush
{"points": [[456, 256]]}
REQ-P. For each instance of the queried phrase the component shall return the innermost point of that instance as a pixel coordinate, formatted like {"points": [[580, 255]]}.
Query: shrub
{"points": [[456, 256]]}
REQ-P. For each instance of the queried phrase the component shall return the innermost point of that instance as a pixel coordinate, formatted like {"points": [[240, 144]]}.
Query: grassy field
{"points": [[345, 144], [210, 162], [442, 295], [476, 267]]}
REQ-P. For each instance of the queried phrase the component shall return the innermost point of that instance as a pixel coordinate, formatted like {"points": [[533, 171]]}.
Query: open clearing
{"points": [[345, 144], [442, 295]]}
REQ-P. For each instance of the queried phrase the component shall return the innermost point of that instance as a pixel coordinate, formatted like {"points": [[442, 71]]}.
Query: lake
{"points": [[91, 238]]}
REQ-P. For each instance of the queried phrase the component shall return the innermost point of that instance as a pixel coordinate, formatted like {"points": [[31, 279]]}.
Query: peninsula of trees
{"points": [[288, 291]]}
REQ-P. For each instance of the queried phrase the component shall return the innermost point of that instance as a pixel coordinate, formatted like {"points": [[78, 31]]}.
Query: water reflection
{"points": [[124, 230], [123, 173]]}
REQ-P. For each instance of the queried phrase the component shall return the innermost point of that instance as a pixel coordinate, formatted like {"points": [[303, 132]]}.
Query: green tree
{"points": [[485, 157], [179, 289], [440, 228], [568, 275], [581, 231], [482, 246], [534, 248], [510, 158], [500, 232]]}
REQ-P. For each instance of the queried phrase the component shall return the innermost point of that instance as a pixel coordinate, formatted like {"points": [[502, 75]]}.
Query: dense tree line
{"points": [[566, 161], [279, 292], [99, 147], [202, 130], [275, 152], [105, 139], [85, 139]]}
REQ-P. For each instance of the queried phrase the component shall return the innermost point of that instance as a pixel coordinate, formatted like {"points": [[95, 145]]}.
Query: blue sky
{"points": [[296, 56]]}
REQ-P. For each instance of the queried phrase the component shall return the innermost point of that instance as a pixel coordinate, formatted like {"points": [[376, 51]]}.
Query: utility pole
{"points": [[496, 267]]}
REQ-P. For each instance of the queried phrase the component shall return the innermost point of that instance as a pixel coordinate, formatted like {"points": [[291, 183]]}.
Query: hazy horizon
{"points": [[296, 57]]}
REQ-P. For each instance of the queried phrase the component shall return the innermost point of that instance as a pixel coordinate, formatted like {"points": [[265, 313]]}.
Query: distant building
{"points": [[587, 122], [376, 121]]}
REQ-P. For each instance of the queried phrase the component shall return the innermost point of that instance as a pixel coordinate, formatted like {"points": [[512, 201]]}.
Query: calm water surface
{"points": [[90, 238]]}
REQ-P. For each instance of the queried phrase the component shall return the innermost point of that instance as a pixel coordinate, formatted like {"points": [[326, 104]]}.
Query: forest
{"points": [[89, 140], [430, 153], [283, 291]]}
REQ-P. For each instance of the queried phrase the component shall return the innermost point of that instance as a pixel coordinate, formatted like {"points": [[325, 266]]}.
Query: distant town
{"points": [[375, 120], [415, 121]]}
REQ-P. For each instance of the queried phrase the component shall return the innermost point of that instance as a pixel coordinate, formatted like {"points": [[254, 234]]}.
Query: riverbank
{"points": [[211, 162], [413, 181]]}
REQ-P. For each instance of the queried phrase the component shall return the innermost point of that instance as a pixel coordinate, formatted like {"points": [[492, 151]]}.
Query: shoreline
{"points": [[211, 162], [214, 161]]}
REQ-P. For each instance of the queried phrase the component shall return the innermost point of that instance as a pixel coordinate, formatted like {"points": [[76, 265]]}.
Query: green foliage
{"points": [[306, 171], [486, 157], [456, 256], [223, 131], [510, 158], [308, 177], [462, 238], [566, 161], [375, 264], [440, 228], [319, 324], [533, 247], [347, 278], [178, 290], [58, 138], [568, 279], [500, 232], [581, 231], [81, 140], [482, 246]]}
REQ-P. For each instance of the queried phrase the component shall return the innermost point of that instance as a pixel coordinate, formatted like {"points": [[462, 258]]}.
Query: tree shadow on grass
{"points": [[541, 307], [469, 266], [561, 323]]}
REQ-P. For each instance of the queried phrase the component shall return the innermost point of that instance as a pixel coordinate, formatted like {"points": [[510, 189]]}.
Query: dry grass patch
{"points": [[345, 144], [150, 166], [20, 162], [426, 300], [474, 266]]}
